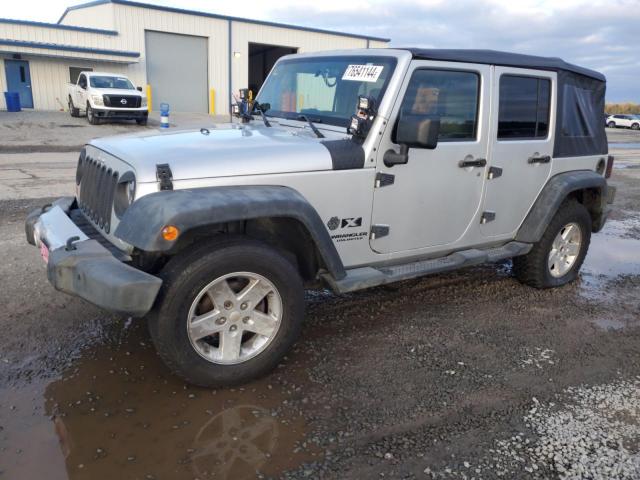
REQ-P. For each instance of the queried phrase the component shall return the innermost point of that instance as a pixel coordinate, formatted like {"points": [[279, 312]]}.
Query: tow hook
{"points": [[70, 246]]}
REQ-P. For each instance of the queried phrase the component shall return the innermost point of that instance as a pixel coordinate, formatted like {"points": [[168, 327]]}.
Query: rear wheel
{"points": [[556, 259], [73, 111], [91, 116], [228, 312], [611, 124]]}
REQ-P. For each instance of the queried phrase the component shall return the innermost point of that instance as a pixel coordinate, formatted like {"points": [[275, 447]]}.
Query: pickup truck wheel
{"points": [[227, 312], [556, 259], [141, 121], [611, 124], [91, 116], [73, 111]]}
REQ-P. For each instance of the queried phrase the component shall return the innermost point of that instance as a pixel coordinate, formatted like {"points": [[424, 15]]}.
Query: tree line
{"points": [[628, 107]]}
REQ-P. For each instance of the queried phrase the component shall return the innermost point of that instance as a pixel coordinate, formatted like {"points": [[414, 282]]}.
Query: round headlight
{"points": [[125, 193]]}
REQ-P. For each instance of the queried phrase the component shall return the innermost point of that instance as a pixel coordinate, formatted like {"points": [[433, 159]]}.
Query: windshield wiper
{"points": [[311, 125]]}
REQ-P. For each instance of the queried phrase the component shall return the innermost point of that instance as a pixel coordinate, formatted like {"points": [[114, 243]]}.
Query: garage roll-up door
{"points": [[177, 71]]}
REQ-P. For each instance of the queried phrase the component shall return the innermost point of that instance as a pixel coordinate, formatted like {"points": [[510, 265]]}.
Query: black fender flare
{"points": [[551, 197], [143, 221]]}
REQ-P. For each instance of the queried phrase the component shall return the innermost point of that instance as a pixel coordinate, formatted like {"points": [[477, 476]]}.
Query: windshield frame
{"points": [[91, 78], [335, 121]]}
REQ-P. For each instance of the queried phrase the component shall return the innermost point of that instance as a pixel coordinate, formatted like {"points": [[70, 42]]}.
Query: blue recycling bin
{"points": [[13, 101]]}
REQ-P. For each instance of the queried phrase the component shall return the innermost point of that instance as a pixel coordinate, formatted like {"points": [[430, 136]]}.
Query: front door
{"points": [[19, 80], [435, 197], [521, 147]]}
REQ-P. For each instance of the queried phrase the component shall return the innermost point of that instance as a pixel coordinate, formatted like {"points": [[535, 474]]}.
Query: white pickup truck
{"points": [[107, 95]]}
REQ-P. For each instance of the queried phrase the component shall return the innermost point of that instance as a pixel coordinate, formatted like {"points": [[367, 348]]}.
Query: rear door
{"points": [[521, 150], [434, 198]]}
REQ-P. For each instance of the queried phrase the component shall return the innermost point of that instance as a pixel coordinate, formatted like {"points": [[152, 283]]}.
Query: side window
{"points": [[82, 81], [524, 107], [449, 95], [74, 72]]}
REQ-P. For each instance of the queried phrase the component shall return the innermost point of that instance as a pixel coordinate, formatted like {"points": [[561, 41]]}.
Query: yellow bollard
{"points": [[149, 98], [212, 101]]}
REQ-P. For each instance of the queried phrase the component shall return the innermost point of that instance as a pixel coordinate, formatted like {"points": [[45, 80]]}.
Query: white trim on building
{"points": [[110, 35]]}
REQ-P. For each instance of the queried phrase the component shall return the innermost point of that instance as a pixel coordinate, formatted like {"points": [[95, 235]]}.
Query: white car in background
{"points": [[107, 95], [624, 121]]}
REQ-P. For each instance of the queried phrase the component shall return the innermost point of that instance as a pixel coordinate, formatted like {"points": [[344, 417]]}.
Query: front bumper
{"points": [[83, 267], [125, 114]]}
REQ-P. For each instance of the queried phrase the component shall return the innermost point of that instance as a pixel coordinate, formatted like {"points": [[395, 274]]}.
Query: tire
{"points": [[73, 111], [635, 126], [141, 121], [186, 276], [91, 117], [611, 124], [534, 269]]}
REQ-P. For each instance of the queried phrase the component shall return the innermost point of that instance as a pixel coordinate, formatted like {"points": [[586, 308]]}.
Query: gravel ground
{"points": [[464, 375]]}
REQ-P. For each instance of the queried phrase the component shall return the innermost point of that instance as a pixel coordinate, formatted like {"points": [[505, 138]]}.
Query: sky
{"points": [[599, 34]]}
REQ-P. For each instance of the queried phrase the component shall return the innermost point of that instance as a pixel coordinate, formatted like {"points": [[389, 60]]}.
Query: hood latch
{"points": [[164, 176]]}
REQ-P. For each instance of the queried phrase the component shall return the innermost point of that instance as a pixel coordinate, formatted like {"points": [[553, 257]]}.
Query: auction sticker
{"points": [[362, 73]]}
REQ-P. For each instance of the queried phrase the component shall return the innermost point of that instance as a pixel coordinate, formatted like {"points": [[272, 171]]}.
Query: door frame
{"points": [[471, 235], [8, 61]]}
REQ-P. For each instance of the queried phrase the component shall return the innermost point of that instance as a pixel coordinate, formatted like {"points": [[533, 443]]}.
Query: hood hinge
{"points": [[164, 176]]}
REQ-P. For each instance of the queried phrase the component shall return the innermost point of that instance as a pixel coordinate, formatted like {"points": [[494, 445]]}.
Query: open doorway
{"points": [[262, 57]]}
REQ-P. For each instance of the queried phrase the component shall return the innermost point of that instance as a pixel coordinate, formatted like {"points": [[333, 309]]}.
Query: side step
{"points": [[366, 277]]}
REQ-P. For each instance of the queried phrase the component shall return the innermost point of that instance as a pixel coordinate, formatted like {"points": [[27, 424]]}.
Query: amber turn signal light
{"points": [[170, 232]]}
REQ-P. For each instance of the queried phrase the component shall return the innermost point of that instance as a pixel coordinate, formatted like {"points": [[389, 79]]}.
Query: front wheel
{"points": [[141, 121], [635, 126], [73, 111], [556, 259], [91, 115], [227, 312]]}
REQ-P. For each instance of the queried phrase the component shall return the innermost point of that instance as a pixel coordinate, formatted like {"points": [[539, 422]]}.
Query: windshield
{"points": [[111, 82], [326, 89]]}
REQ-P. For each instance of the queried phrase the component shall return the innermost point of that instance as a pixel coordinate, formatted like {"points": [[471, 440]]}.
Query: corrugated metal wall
{"points": [[98, 16], [49, 78]]}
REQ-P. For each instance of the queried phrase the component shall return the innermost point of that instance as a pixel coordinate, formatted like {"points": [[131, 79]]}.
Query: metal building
{"points": [[191, 60]]}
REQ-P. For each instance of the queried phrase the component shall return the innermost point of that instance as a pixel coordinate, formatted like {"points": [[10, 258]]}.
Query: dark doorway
{"points": [[262, 57]]}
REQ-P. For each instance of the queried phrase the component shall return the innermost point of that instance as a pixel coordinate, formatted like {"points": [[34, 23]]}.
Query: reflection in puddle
{"points": [[120, 414], [614, 256], [613, 253]]}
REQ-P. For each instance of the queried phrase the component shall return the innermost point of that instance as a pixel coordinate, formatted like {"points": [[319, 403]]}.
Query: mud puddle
{"points": [[118, 413], [611, 272]]}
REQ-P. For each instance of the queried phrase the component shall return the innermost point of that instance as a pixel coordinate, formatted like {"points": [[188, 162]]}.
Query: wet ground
{"points": [[435, 379]]}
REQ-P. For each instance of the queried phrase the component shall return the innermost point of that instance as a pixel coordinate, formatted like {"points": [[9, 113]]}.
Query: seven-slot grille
{"points": [[97, 188], [122, 101]]}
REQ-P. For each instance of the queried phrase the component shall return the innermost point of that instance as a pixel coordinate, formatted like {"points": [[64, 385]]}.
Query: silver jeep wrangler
{"points": [[349, 169]]}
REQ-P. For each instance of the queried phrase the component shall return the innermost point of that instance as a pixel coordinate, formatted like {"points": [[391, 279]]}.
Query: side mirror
{"points": [[139, 89], [413, 131], [418, 131]]}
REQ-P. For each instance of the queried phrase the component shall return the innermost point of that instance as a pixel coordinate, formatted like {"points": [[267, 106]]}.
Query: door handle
{"points": [[478, 162], [543, 159]]}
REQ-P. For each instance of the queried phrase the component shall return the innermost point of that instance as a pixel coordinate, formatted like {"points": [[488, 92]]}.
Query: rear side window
{"points": [[524, 107], [448, 95]]}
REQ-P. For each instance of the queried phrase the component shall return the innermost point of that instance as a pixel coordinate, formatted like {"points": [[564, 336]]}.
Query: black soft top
{"points": [[507, 59], [580, 104]]}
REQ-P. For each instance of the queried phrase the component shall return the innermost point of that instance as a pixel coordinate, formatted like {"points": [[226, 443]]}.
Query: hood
{"points": [[226, 150]]}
